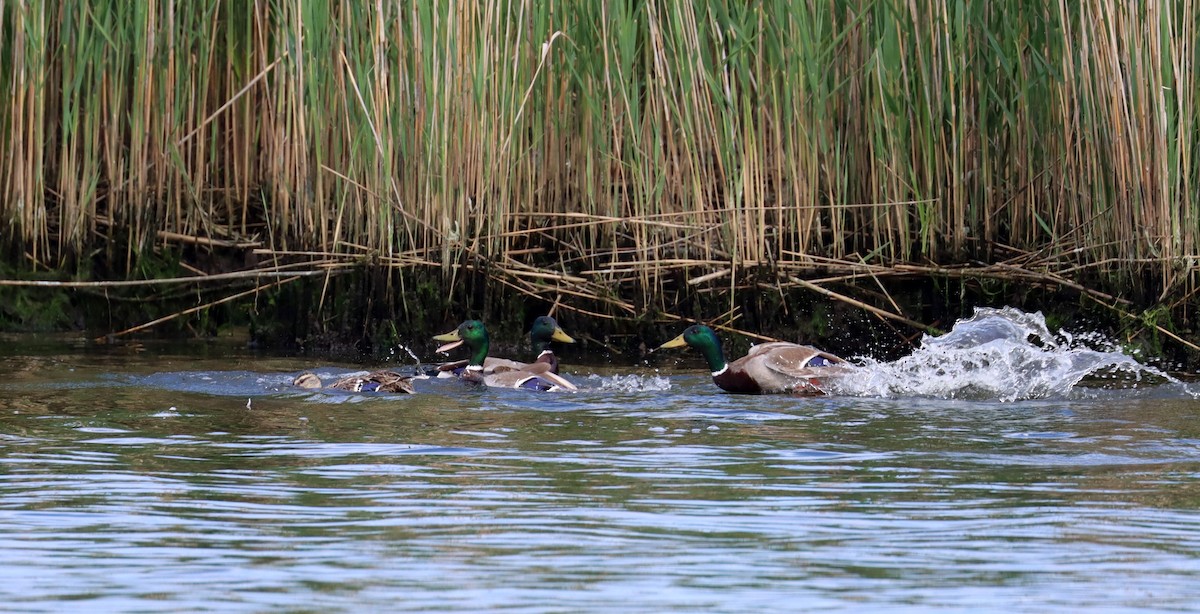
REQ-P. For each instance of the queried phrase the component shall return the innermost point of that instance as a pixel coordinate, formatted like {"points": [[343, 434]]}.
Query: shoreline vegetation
{"points": [[378, 170]]}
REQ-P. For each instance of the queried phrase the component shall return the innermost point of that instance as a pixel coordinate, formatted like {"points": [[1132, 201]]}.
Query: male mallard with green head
{"points": [[769, 368], [545, 330], [375, 381], [474, 335]]}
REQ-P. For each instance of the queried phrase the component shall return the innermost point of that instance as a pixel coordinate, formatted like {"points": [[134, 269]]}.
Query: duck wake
{"points": [[1001, 354], [628, 383]]}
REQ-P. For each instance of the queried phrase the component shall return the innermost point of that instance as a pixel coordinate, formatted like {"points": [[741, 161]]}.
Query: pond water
{"points": [[156, 479]]}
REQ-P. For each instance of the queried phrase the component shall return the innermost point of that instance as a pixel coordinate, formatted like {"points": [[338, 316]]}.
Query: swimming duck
{"points": [[375, 381], [545, 329], [473, 334], [769, 368]]}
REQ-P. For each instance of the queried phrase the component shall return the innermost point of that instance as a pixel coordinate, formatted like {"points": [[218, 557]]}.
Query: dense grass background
{"points": [[603, 153]]}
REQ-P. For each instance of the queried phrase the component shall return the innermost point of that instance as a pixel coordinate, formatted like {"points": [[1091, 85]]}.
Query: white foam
{"points": [[997, 354], [628, 383]]}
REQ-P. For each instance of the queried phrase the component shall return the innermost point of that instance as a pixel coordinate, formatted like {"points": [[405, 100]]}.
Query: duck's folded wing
{"points": [[491, 365], [559, 380], [390, 381], [375, 381], [498, 365], [527, 377], [797, 360]]}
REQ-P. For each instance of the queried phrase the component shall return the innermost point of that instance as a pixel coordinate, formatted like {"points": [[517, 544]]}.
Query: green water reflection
{"points": [[161, 480]]}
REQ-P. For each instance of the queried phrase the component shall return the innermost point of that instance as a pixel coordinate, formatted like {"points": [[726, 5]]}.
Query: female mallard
{"points": [[769, 368], [473, 334], [544, 330], [375, 381]]}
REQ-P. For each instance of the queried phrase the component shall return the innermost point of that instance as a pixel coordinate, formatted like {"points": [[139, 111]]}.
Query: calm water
{"points": [[151, 479]]}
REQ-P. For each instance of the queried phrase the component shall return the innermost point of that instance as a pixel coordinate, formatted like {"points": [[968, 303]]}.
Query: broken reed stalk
{"points": [[197, 279], [861, 305], [167, 318]]}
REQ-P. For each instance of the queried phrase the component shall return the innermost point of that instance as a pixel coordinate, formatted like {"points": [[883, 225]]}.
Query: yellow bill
{"points": [[452, 337], [674, 343]]}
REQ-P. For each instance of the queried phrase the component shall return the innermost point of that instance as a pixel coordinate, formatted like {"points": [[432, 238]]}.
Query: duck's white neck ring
{"points": [[720, 371], [474, 367], [544, 352]]}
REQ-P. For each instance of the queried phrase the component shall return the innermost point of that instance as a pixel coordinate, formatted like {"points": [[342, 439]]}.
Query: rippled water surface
{"points": [[197, 479]]}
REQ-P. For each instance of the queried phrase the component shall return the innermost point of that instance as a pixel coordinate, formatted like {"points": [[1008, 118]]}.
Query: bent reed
{"points": [[613, 155]]}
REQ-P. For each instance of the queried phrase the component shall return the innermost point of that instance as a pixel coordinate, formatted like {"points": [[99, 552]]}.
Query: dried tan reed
{"points": [[613, 151]]}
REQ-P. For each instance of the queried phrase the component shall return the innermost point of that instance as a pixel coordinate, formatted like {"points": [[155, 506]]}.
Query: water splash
{"points": [[999, 354], [627, 383], [394, 354]]}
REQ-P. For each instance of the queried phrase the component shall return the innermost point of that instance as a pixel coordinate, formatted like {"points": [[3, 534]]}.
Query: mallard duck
{"points": [[375, 381], [473, 334], [769, 368], [544, 330]]}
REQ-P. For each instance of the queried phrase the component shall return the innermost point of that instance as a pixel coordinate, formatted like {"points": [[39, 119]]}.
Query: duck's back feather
{"points": [[375, 381], [778, 367]]}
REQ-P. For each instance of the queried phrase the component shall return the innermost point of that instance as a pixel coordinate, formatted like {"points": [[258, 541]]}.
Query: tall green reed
{"points": [[635, 144]]}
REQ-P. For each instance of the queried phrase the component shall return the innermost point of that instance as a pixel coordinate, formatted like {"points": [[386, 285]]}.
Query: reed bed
{"points": [[611, 156]]}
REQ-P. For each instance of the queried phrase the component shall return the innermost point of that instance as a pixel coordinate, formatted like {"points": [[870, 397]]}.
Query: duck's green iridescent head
{"points": [[545, 330], [703, 339], [471, 333]]}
